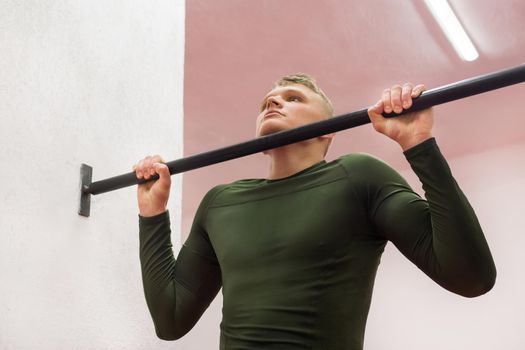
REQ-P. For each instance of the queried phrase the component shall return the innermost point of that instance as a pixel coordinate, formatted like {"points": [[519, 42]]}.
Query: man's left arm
{"points": [[441, 235]]}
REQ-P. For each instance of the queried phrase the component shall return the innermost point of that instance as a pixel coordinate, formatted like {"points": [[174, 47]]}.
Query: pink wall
{"points": [[236, 49]]}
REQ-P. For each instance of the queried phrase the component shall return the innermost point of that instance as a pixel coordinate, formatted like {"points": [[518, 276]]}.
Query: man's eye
{"points": [[294, 99]]}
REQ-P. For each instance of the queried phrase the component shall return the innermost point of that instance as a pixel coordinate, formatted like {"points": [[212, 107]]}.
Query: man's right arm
{"points": [[178, 290]]}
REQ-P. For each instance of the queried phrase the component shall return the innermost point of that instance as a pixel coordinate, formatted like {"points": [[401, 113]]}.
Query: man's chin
{"points": [[269, 132], [269, 129]]}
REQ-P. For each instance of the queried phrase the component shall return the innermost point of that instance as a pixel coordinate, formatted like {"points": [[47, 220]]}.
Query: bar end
{"points": [[86, 173]]}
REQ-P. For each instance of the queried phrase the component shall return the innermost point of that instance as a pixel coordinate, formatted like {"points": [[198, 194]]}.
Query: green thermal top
{"points": [[296, 257]]}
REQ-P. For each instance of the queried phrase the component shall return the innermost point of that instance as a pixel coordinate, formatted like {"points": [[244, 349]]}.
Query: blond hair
{"points": [[309, 82]]}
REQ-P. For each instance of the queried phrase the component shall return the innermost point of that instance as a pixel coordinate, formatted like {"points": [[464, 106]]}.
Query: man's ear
{"points": [[330, 138]]}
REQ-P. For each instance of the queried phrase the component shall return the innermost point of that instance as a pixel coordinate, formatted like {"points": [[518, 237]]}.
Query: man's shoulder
{"points": [[366, 169], [238, 184], [213, 192], [358, 160], [226, 189]]}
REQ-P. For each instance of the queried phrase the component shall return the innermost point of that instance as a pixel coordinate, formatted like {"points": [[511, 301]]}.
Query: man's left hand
{"points": [[409, 129]]}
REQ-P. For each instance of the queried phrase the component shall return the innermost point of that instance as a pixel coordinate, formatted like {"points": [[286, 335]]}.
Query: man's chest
{"points": [[294, 226]]}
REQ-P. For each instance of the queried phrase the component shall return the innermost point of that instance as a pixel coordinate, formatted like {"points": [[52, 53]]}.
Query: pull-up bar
{"points": [[440, 95]]}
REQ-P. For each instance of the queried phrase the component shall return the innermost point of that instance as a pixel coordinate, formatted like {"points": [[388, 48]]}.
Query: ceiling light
{"points": [[453, 30]]}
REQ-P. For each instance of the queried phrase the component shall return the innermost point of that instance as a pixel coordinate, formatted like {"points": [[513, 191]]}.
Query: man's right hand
{"points": [[153, 195]]}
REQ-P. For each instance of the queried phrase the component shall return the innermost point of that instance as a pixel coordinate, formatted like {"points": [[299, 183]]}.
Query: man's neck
{"points": [[288, 160]]}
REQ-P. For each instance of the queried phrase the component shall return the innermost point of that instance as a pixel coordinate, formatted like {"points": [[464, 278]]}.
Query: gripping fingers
{"points": [[400, 97], [406, 95], [145, 168], [148, 167], [139, 169], [395, 96], [385, 97], [418, 90]]}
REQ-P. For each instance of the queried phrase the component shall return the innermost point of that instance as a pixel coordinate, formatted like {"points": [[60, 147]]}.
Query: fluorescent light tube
{"points": [[455, 33]]}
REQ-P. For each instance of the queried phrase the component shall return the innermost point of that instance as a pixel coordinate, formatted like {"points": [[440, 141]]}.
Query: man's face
{"points": [[287, 107]]}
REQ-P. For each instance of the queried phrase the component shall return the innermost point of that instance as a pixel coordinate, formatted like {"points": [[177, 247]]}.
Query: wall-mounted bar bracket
{"points": [[86, 173]]}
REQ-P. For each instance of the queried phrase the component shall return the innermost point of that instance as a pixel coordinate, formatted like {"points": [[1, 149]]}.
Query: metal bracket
{"points": [[86, 173]]}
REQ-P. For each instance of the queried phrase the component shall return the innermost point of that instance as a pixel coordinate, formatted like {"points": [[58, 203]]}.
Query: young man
{"points": [[296, 253]]}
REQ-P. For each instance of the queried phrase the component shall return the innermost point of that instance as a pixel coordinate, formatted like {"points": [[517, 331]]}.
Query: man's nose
{"points": [[273, 101]]}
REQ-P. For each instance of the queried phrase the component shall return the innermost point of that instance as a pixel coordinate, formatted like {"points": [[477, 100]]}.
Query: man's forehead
{"points": [[288, 88]]}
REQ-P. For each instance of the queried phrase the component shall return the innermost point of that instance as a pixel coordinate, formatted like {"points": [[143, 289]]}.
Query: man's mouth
{"points": [[272, 114]]}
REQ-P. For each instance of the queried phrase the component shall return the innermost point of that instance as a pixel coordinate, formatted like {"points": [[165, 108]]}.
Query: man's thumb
{"points": [[162, 170]]}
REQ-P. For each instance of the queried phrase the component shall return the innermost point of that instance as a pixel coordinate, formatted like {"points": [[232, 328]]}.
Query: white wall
{"points": [[409, 311], [96, 82]]}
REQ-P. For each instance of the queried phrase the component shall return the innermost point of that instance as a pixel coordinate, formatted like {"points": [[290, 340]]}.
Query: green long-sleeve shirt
{"points": [[297, 257]]}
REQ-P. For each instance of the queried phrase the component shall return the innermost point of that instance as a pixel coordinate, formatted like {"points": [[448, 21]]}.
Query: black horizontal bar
{"points": [[440, 95]]}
